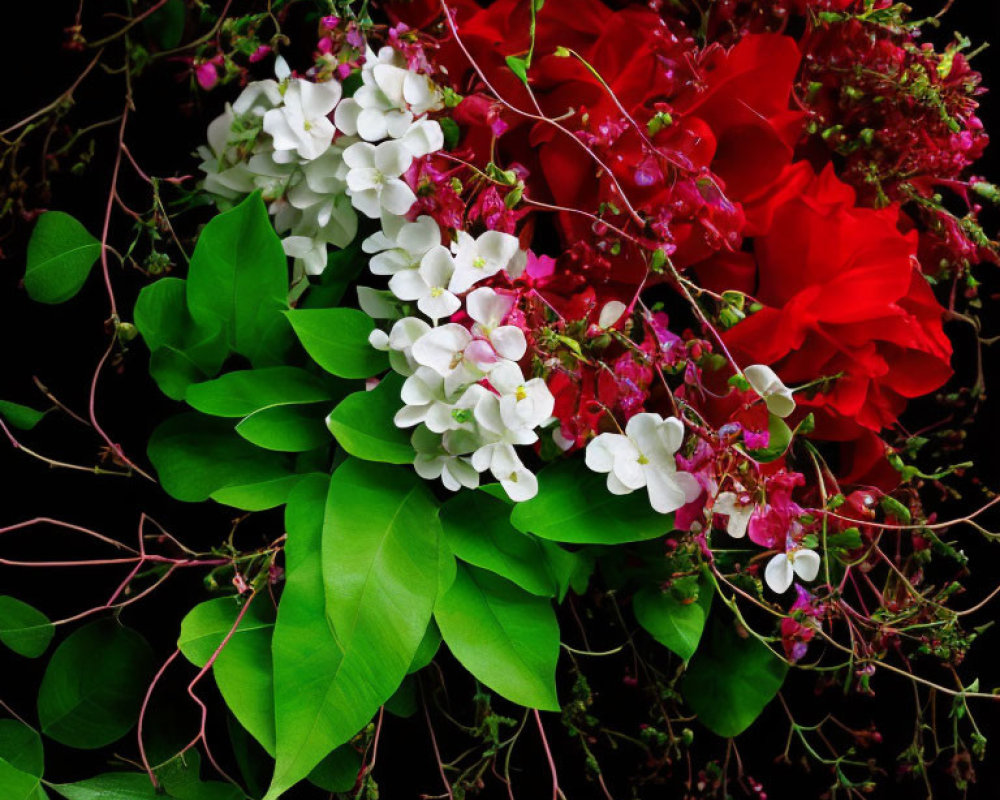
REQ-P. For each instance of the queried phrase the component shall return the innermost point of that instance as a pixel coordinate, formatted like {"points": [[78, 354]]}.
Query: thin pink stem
{"points": [[556, 791]]}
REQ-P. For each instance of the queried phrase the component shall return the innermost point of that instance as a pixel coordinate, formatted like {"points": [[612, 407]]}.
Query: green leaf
{"points": [[519, 67], [362, 423], [287, 428], [241, 393], [198, 457], [94, 684], [508, 639], [427, 648], [60, 255], [337, 340], [574, 505], [380, 560], [21, 748], [183, 351], [19, 416], [238, 281], [243, 668], [112, 786], [180, 779], [338, 772], [403, 703], [16, 784], [477, 529], [730, 679], [24, 629], [166, 26], [780, 438], [675, 624]]}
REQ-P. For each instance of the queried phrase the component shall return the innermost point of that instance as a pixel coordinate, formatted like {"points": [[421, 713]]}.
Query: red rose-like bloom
{"points": [[842, 293]]}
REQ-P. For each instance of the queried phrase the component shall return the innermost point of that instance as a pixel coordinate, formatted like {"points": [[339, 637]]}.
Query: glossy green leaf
{"points": [[362, 423], [238, 281], [24, 629], [380, 562], [337, 340], [241, 393], [427, 648], [403, 703], [289, 429], [675, 624], [477, 529], [94, 684], [61, 253], [112, 786], [242, 669], [257, 496], [508, 639], [20, 416], [519, 67], [304, 650], [198, 457], [731, 679], [183, 351], [574, 505]]}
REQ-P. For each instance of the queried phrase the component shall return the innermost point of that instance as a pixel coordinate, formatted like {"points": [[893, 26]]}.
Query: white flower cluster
{"points": [[464, 389], [315, 174]]}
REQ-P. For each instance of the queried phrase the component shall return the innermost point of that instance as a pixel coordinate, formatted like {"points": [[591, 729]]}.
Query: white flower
{"points": [[423, 137], [611, 313], [644, 456], [502, 461], [301, 123], [783, 568], [488, 309], [378, 108], [400, 244], [768, 385], [523, 404], [435, 461], [727, 503], [428, 284], [405, 333], [374, 179], [258, 98], [481, 258], [310, 252], [443, 349]]}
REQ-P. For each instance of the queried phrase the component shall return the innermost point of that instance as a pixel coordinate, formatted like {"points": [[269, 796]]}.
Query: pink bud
{"points": [[207, 75]]}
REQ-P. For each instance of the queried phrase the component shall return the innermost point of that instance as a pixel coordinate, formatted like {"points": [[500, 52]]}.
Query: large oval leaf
{"points": [[380, 561], [24, 629], [238, 281], [22, 761], [241, 393], [674, 623], [61, 253], [508, 639], [477, 529], [21, 417], [362, 424], [574, 505], [337, 340], [242, 669], [731, 679], [94, 684], [112, 786], [287, 428], [196, 457]]}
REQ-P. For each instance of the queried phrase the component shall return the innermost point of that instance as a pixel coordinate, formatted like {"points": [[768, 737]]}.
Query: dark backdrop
{"points": [[60, 345]]}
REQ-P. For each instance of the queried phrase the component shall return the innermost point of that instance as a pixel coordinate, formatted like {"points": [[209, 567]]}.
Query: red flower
{"points": [[843, 295]]}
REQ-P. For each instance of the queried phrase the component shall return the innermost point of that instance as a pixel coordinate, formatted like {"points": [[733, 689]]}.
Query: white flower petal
{"points": [[397, 197], [805, 563], [509, 342], [778, 574]]}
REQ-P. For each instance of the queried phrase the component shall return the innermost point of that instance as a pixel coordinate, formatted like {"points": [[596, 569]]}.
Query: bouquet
{"points": [[549, 352]]}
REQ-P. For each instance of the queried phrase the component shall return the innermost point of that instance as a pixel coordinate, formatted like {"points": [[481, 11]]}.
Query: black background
{"points": [[61, 345]]}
